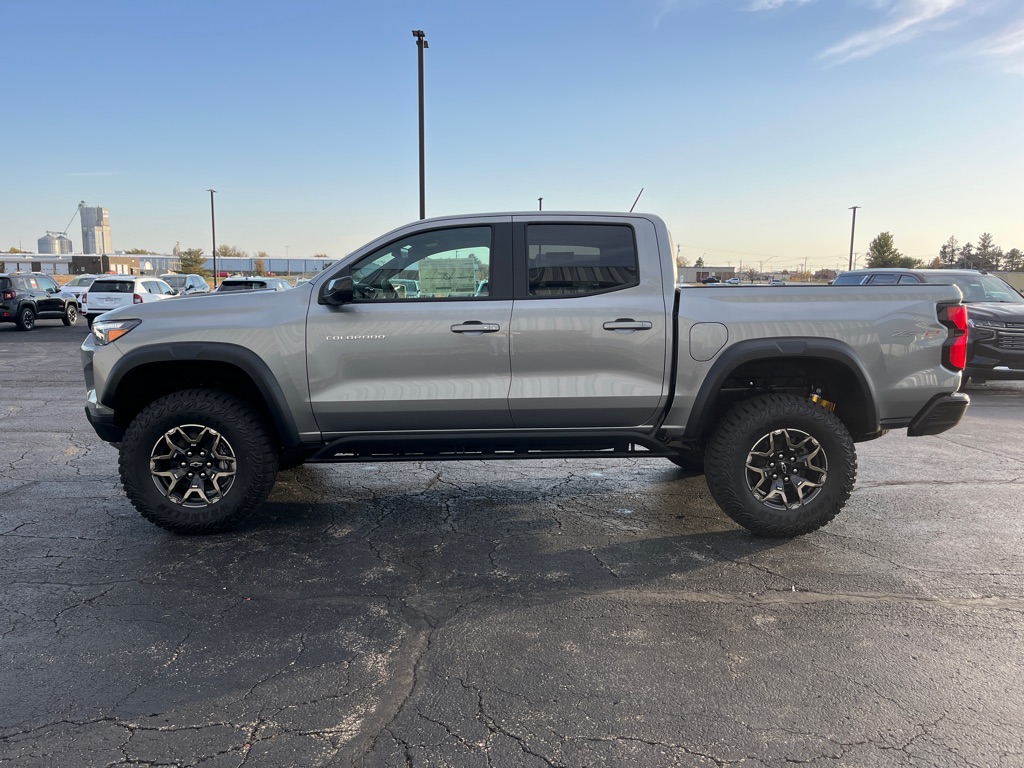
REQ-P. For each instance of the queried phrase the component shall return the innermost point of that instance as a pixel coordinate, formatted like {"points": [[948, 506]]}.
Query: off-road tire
{"points": [[26, 319], [801, 490], [70, 315], [233, 439]]}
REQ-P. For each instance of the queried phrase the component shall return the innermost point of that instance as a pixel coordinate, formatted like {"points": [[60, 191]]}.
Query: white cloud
{"points": [[1007, 47], [771, 5], [909, 19]]}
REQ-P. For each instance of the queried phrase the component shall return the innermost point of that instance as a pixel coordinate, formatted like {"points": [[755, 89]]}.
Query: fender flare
{"points": [[794, 348], [244, 359]]}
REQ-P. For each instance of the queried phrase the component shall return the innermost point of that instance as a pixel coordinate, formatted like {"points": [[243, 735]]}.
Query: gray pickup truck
{"points": [[529, 336]]}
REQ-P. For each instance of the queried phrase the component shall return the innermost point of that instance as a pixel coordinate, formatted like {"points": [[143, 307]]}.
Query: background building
{"points": [[95, 229], [54, 243]]}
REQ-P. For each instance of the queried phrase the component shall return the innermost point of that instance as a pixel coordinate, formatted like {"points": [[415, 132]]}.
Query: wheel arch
{"points": [[795, 365], [147, 373]]}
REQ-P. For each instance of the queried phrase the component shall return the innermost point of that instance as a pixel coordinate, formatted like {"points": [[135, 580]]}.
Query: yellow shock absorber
{"points": [[828, 405]]}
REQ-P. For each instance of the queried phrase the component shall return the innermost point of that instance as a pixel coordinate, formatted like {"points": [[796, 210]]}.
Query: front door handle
{"points": [[475, 328], [628, 325]]}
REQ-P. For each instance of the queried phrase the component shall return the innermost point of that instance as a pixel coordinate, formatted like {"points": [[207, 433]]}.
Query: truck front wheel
{"points": [[197, 461], [780, 465]]}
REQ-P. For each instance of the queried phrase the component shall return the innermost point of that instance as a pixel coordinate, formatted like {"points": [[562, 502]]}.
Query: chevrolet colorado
{"points": [[530, 336]]}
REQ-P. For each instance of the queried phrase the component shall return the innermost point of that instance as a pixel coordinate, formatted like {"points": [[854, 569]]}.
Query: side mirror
{"points": [[337, 291]]}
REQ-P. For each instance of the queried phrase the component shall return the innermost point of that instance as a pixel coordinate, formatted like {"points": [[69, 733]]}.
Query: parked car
{"points": [[26, 297], [77, 286], [187, 284], [995, 315], [711, 280], [109, 292], [239, 283], [734, 281]]}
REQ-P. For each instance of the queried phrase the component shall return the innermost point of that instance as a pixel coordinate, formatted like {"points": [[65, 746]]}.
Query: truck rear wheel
{"points": [[197, 461], [780, 465]]}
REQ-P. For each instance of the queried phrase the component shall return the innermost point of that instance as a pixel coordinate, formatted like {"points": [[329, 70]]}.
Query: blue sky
{"points": [[751, 125]]}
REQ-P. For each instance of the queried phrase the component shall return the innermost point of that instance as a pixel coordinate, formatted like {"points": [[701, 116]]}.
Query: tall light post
{"points": [[213, 229], [853, 228], [421, 43]]}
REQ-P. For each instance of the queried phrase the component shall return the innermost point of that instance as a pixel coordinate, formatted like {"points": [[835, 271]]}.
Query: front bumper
{"points": [[941, 413], [102, 420]]}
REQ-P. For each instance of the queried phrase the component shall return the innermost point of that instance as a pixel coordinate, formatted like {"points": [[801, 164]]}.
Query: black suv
{"points": [[27, 296], [995, 315]]}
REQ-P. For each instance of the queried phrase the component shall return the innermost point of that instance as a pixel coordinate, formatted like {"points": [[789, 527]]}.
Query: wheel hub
{"points": [[193, 465], [786, 469]]}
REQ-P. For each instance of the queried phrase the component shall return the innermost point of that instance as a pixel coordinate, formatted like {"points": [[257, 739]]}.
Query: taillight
{"points": [[8, 295], [85, 297], [955, 318], [136, 299]]}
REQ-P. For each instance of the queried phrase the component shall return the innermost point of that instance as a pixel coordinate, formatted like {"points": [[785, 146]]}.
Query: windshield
{"points": [[985, 288]]}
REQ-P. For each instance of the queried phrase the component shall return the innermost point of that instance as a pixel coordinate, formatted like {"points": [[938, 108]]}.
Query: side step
{"points": [[483, 446]]}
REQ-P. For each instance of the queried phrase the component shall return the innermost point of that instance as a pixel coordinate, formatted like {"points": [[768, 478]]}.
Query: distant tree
{"points": [[988, 255], [259, 265], [752, 275], [191, 262], [17, 250], [699, 262], [966, 259], [230, 251], [936, 263], [1013, 260], [949, 253], [321, 256], [140, 252], [882, 253]]}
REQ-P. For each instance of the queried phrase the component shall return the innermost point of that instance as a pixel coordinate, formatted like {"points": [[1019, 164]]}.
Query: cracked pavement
{"points": [[552, 613]]}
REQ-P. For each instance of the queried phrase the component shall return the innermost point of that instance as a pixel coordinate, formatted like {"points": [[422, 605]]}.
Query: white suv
{"points": [[112, 291]]}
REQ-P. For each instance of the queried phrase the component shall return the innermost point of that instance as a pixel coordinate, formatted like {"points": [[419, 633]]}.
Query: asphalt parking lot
{"points": [[555, 613]]}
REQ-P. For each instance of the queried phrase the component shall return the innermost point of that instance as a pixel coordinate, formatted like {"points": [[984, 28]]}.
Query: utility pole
{"points": [[540, 203], [213, 229], [853, 228], [421, 43]]}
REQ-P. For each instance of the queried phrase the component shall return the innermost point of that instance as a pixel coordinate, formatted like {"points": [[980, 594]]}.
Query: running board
{"points": [[483, 446]]}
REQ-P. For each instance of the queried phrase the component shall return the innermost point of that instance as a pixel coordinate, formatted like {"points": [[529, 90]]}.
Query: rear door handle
{"points": [[475, 328], [628, 325]]}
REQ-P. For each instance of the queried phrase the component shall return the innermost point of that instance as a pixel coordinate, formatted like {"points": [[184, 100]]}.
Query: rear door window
{"points": [[580, 259]]}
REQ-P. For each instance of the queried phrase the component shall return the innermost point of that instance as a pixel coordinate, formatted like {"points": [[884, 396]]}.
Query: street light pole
{"points": [[853, 228], [421, 43], [213, 229]]}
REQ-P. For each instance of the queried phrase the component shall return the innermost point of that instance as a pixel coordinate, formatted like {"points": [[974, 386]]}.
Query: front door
{"points": [[425, 343]]}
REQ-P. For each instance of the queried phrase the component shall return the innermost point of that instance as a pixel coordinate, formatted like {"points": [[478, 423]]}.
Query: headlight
{"points": [[107, 331], [987, 324]]}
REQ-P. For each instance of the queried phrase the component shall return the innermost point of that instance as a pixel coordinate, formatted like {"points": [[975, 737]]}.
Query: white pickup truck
{"points": [[530, 336]]}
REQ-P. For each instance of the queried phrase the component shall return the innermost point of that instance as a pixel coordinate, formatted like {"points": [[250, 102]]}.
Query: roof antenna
{"points": [[637, 199]]}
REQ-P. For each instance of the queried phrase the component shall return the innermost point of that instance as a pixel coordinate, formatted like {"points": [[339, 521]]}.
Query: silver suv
{"points": [[186, 284]]}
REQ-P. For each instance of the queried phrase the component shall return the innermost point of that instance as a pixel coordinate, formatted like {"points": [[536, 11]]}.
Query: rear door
{"points": [[435, 359], [590, 329]]}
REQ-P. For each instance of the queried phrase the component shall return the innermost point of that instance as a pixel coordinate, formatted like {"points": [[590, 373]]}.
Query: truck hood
{"points": [[1002, 312]]}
